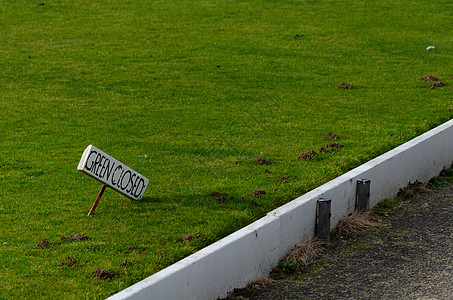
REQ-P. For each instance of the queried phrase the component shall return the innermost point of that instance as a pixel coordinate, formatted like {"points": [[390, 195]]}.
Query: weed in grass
{"points": [[286, 266], [447, 172], [386, 205], [445, 178]]}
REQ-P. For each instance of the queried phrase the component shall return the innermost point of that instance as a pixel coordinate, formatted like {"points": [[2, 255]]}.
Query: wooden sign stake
{"points": [[98, 198]]}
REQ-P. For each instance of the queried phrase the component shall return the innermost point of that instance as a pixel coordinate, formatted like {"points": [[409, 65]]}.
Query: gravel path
{"points": [[410, 258]]}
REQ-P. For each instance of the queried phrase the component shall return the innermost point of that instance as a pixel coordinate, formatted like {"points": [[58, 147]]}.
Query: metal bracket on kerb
{"points": [[362, 199], [322, 228]]}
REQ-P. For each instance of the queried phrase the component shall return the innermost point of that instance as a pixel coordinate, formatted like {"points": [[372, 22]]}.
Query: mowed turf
{"points": [[189, 94]]}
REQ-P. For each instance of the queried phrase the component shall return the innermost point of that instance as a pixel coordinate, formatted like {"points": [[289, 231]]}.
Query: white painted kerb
{"points": [[250, 253]]}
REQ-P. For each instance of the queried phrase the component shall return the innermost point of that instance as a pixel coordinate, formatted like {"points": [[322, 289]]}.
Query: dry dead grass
{"points": [[305, 254], [412, 189], [252, 289], [355, 223]]}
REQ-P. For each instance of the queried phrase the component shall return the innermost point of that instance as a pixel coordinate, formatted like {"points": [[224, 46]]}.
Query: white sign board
{"points": [[112, 173]]}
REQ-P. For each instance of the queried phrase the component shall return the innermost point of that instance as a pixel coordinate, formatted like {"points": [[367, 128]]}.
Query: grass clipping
{"points": [[355, 223]]}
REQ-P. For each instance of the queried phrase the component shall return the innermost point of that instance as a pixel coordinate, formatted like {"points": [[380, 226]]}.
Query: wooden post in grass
{"points": [[98, 198], [111, 173]]}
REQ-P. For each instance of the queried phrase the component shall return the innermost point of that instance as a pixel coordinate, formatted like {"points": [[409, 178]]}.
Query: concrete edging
{"points": [[251, 252]]}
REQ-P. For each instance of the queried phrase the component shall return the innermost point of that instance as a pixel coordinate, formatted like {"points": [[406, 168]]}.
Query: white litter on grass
{"points": [[430, 47]]}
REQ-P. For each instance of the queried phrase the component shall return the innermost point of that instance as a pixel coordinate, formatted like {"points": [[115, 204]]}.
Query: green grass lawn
{"points": [[189, 93]]}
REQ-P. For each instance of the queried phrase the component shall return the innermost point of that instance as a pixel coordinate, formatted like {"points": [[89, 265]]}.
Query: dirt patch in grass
{"points": [[331, 136], [258, 193], [261, 161], [253, 203], [216, 194], [323, 149], [187, 238], [94, 248], [44, 244], [126, 262], [132, 248], [334, 146], [70, 261], [190, 237], [75, 237], [307, 155], [437, 84], [79, 237], [331, 147], [345, 86], [221, 197], [199, 234], [429, 78], [286, 178], [104, 274]]}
